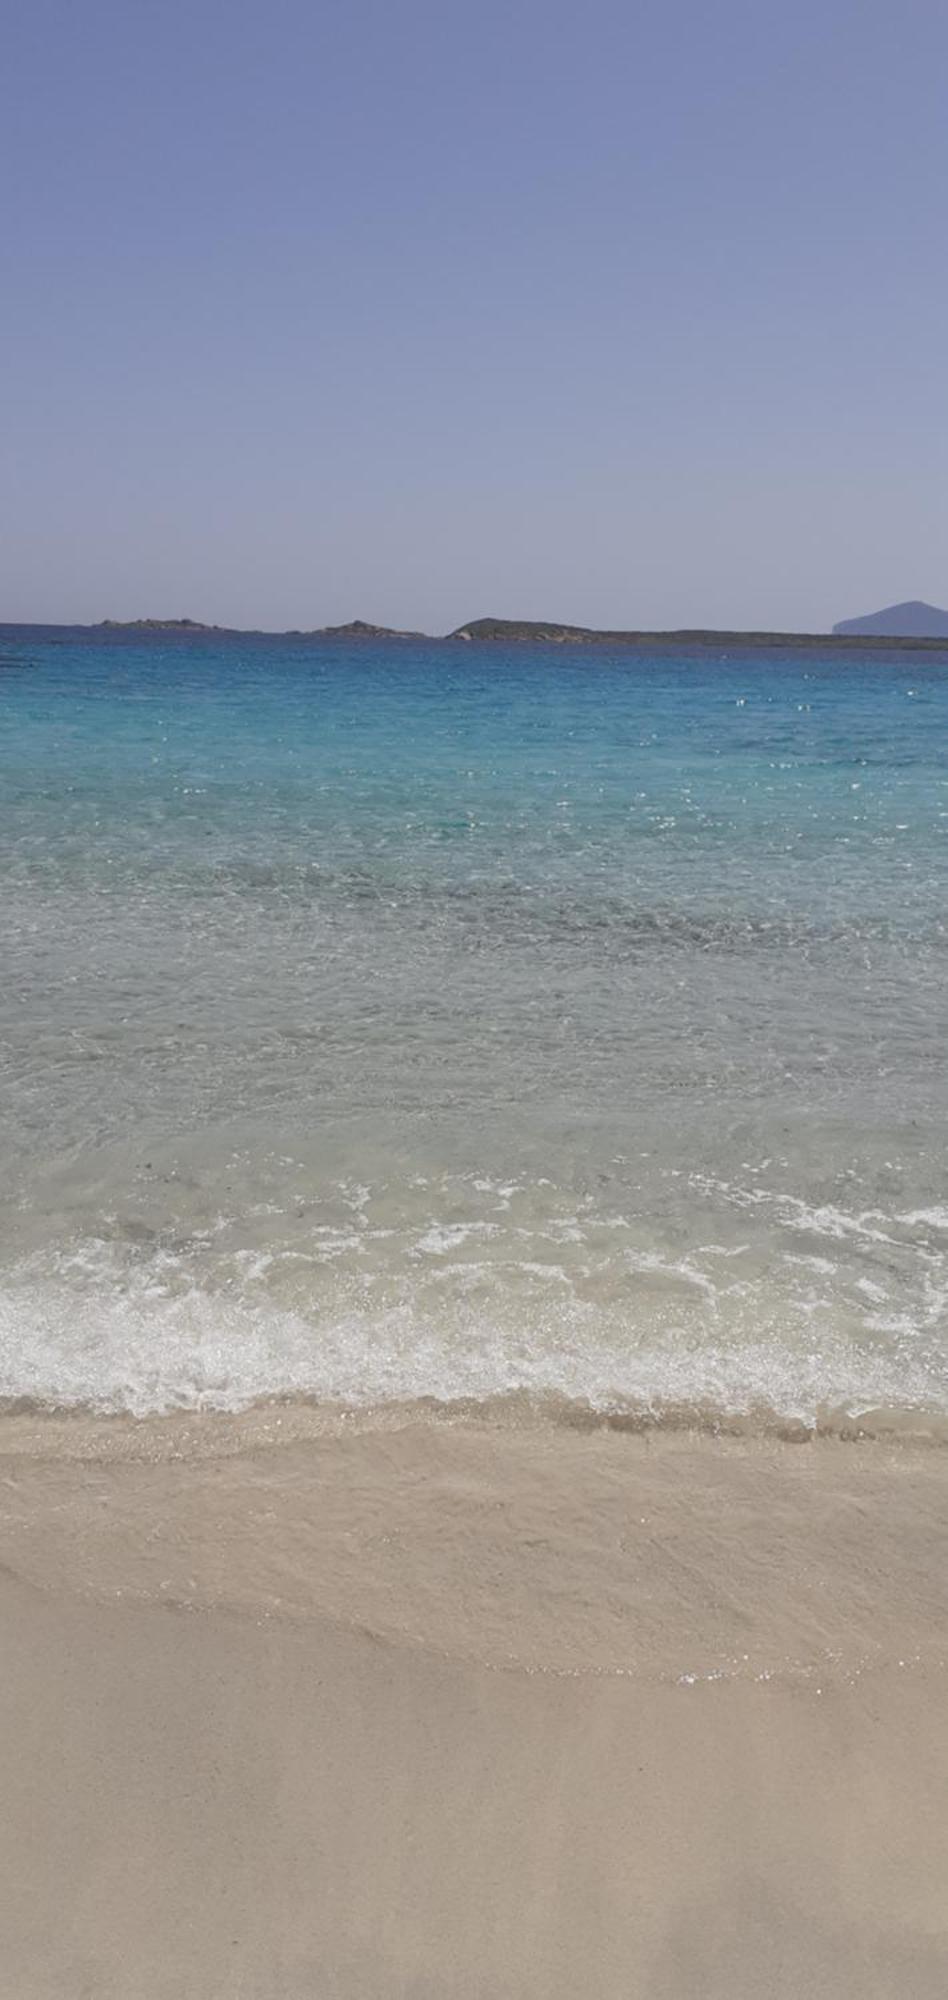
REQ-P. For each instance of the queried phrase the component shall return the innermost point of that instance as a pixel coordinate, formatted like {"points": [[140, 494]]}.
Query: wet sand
{"points": [[446, 1710]]}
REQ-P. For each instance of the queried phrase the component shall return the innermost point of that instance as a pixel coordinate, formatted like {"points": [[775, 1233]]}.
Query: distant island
{"points": [[357, 628], [912, 626], [154, 625], [540, 631], [491, 630], [913, 620]]}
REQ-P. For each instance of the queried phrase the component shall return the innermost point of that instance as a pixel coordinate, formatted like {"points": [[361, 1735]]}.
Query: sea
{"points": [[542, 1029]]}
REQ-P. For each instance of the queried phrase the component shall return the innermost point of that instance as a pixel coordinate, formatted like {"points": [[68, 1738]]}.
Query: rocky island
{"points": [[884, 630], [359, 628], [539, 632], [155, 625]]}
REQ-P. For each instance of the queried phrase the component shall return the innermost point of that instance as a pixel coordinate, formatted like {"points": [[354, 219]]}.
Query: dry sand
{"points": [[440, 1710]]}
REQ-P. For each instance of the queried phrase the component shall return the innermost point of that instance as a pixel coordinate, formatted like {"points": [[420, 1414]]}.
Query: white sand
{"points": [[456, 1711]]}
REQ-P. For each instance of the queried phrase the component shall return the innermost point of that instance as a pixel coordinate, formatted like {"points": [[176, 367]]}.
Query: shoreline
{"points": [[465, 1711], [206, 1427], [656, 1554]]}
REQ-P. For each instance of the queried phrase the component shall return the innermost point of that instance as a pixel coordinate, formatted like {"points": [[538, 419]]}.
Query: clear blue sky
{"points": [[633, 314]]}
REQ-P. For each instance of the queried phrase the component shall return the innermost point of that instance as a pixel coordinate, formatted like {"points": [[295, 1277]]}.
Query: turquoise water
{"points": [[382, 1022]]}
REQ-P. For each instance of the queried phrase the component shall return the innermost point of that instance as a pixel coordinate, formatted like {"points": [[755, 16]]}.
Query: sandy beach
{"points": [[474, 1003], [464, 1709]]}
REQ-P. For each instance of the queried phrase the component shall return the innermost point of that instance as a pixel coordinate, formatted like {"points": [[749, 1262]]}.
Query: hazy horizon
{"points": [[622, 318], [161, 620]]}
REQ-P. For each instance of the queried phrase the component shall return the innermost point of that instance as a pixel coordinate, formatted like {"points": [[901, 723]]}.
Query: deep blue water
{"points": [[381, 1021]]}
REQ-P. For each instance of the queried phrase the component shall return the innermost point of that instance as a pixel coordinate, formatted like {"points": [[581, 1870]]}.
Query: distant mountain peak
{"points": [[911, 620]]}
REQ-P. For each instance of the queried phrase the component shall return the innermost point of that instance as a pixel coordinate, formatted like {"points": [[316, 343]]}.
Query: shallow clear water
{"points": [[382, 1022]]}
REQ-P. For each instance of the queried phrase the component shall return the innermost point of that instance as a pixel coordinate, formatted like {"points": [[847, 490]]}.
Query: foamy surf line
{"points": [[584, 1317], [151, 1353]]}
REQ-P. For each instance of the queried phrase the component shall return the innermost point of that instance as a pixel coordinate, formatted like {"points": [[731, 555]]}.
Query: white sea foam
{"points": [[140, 1337]]}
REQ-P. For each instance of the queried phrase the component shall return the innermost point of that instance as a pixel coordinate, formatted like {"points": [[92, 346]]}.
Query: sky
{"points": [[633, 315]]}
